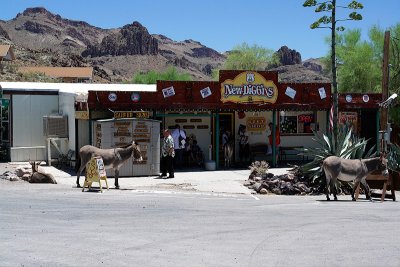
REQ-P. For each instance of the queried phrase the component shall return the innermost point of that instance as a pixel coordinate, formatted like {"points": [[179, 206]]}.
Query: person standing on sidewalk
{"points": [[179, 137], [167, 155]]}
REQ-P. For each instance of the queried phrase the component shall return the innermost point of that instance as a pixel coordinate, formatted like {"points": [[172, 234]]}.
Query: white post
{"points": [[210, 152]]}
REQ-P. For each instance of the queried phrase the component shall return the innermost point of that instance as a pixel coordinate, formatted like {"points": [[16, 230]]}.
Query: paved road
{"points": [[58, 225]]}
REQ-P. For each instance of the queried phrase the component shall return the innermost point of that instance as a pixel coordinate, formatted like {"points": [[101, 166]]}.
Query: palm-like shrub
{"points": [[394, 158], [349, 147]]}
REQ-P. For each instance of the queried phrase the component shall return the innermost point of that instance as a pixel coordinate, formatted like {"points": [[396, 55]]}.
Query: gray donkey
{"points": [[351, 169], [112, 158]]}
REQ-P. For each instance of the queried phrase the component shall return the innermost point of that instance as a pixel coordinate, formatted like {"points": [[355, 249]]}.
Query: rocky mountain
{"points": [[288, 56], [41, 38]]}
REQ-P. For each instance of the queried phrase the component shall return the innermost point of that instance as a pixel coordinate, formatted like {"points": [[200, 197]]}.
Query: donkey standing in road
{"points": [[351, 169], [112, 158]]}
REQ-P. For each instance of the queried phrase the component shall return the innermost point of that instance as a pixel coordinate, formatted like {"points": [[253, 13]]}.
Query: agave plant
{"points": [[348, 146], [394, 158]]}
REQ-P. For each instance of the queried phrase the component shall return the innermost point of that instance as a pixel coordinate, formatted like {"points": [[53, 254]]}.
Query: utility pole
{"points": [[334, 77], [384, 129]]}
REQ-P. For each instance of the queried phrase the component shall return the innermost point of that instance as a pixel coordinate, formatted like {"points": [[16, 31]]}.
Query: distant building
{"points": [[6, 54], [66, 74]]}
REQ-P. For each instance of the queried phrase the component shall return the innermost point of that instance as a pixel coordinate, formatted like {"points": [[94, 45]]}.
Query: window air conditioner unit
{"points": [[55, 126]]}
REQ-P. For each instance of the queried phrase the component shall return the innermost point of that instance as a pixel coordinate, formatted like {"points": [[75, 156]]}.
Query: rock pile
{"points": [[26, 173], [286, 184], [292, 183]]}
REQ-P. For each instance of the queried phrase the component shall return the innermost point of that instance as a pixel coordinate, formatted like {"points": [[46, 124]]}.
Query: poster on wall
{"points": [[349, 119], [206, 92], [169, 91], [322, 93], [290, 92]]}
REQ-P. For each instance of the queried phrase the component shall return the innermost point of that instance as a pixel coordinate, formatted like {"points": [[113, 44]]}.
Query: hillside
{"points": [[41, 38]]}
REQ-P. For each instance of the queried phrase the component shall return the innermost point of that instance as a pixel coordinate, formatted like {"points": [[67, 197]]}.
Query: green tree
{"points": [[330, 23], [151, 77], [359, 70], [245, 57]]}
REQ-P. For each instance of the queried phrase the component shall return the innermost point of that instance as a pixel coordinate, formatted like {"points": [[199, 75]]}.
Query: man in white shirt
{"points": [[179, 137]]}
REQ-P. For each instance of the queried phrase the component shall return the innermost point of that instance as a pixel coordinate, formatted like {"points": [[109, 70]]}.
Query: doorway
{"points": [[369, 128], [226, 122]]}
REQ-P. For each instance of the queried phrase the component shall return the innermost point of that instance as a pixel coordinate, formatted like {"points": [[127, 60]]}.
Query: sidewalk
{"points": [[222, 181]]}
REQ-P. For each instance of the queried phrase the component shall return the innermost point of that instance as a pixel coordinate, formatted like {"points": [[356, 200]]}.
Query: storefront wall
{"points": [[28, 142], [258, 134], [198, 126]]}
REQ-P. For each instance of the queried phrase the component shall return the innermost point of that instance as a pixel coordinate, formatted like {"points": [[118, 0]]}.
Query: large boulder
{"points": [[132, 39], [288, 56]]}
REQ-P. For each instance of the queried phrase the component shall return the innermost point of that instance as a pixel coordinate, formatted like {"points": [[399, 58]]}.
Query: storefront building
{"points": [[254, 99], [202, 108]]}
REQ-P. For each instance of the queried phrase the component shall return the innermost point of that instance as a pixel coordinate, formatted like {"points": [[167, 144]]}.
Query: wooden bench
{"points": [[290, 153], [258, 151], [375, 180]]}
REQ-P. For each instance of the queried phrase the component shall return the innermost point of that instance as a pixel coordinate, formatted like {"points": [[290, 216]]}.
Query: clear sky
{"points": [[218, 24]]}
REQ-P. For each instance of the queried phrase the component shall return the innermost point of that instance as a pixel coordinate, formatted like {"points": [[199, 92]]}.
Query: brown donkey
{"points": [[112, 158]]}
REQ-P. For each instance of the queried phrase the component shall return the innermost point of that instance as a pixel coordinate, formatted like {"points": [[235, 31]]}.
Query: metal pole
{"points": [[378, 142], [90, 128], [217, 140], [273, 138]]}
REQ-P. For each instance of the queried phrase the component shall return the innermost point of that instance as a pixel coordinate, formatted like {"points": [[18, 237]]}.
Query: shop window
{"points": [[297, 122]]}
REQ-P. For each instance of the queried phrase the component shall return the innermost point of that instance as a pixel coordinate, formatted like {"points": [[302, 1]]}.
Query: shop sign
{"points": [[256, 124], [247, 88], [82, 115], [365, 98], [131, 114]]}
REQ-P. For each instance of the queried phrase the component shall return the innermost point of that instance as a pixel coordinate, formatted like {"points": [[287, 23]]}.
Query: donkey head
{"points": [[382, 166], [137, 154]]}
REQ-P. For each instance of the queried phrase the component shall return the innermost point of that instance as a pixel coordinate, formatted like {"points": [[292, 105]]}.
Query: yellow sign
{"points": [[131, 114], [142, 114], [123, 114], [249, 87], [95, 172], [82, 115], [256, 124]]}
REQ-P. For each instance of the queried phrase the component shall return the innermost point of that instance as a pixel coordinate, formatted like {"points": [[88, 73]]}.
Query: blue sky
{"points": [[218, 24]]}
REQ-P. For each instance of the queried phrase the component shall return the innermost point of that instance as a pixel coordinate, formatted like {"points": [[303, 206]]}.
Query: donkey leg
{"points": [[333, 188], [78, 174], [355, 186], [367, 189], [116, 178], [327, 191]]}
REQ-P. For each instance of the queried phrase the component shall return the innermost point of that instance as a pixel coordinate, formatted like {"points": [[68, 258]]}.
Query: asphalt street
{"points": [[58, 225]]}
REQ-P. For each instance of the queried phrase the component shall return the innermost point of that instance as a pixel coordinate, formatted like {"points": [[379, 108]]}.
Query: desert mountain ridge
{"points": [[41, 38]]}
